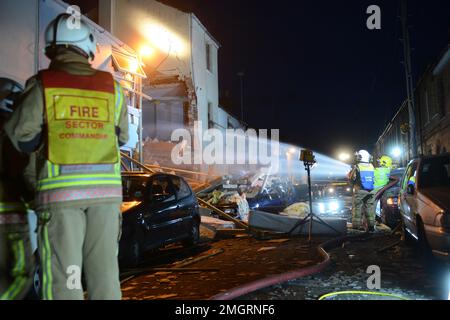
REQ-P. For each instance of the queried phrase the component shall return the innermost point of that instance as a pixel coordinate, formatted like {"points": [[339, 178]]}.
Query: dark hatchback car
{"points": [[158, 209], [387, 208]]}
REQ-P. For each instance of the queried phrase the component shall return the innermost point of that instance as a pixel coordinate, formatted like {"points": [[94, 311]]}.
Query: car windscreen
{"points": [[435, 172], [134, 188]]}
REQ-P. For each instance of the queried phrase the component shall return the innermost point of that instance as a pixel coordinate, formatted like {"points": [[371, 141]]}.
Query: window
{"points": [[208, 57], [410, 176], [435, 173], [127, 64], [210, 115], [182, 190], [161, 190], [133, 188]]}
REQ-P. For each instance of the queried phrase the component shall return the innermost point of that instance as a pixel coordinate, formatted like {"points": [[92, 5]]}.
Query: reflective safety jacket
{"points": [[381, 177], [81, 114], [366, 175]]}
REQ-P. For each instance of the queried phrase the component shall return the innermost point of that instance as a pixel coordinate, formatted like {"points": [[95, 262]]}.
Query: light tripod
{"points": [[308, 161]]}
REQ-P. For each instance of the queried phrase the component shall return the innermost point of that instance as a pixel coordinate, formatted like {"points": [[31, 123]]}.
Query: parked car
{"points": [[336, 207], [387, 209], [158, 209], [274, 198], [335, 200], [338, 190], [425, 203]]}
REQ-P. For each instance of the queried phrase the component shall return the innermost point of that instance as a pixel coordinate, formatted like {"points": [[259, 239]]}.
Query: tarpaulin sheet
{"points": [[280, 223]]}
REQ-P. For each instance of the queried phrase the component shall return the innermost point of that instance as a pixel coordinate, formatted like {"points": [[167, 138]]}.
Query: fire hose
{"points": [[291, 275]]}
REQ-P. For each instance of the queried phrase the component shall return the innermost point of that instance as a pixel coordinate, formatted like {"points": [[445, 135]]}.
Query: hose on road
{"points": [[374, 293], [291, 275]]}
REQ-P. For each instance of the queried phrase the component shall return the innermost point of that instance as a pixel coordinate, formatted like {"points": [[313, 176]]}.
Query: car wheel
{"points": [[194, 235], [133, 256], [407, 237], [424, 247]]}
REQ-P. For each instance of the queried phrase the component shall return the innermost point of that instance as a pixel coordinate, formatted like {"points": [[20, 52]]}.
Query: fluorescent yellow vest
{"points": [[82, 146], [80, 118]]}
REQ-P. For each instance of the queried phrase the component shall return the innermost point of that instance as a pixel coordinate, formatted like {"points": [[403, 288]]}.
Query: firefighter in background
{"points": [[382, 173], [76, 118], [362, 178], [16, 259]]}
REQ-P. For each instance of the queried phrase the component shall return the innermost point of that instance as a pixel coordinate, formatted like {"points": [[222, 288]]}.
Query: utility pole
{"points": [[409, 79], [241, 76]]}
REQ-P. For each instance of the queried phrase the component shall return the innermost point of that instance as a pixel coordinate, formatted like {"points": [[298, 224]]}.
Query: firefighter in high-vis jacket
{"points": [[381, 177], [76, 119], [382, 173], [362, 177], [16, 259]]}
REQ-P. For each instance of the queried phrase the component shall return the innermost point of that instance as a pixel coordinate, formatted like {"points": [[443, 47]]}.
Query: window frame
{"points": [[182, 182], [170, 186], [413, 167], [209, 60]]}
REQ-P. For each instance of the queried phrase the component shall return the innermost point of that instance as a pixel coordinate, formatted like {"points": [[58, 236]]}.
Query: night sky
{"points": [[313, 69]]}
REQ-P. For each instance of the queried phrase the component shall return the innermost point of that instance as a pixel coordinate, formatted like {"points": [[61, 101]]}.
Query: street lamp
{"points": [[292, 150], [146, 51], [396, 152], [344, 156]]}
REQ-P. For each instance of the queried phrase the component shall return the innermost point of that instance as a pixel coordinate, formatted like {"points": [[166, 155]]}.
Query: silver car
{"points": [[425, 203]]}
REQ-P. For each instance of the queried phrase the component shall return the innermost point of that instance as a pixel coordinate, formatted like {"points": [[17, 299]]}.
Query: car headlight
{"points": [[334, 206], [393, 201], [321, 207]]}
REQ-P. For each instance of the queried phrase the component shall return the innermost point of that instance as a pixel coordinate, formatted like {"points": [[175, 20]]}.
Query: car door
{"points": [[160, 211], [408, 197], [185, 206]]}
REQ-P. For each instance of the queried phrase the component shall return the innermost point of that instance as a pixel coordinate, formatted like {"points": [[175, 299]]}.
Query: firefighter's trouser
{"points": [[16, 261], [363, 205], [80, 240]]}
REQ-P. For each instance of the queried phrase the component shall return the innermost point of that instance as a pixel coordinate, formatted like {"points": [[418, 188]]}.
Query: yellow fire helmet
{"points": [[386, 161]]}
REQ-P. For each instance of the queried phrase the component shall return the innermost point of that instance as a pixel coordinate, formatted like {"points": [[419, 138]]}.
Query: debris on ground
{"points": [[403, 274], [237, 262], [299, 209]]}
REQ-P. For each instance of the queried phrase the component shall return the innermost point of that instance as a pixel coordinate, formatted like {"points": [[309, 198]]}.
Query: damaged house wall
{"points": [[181, 67]]}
